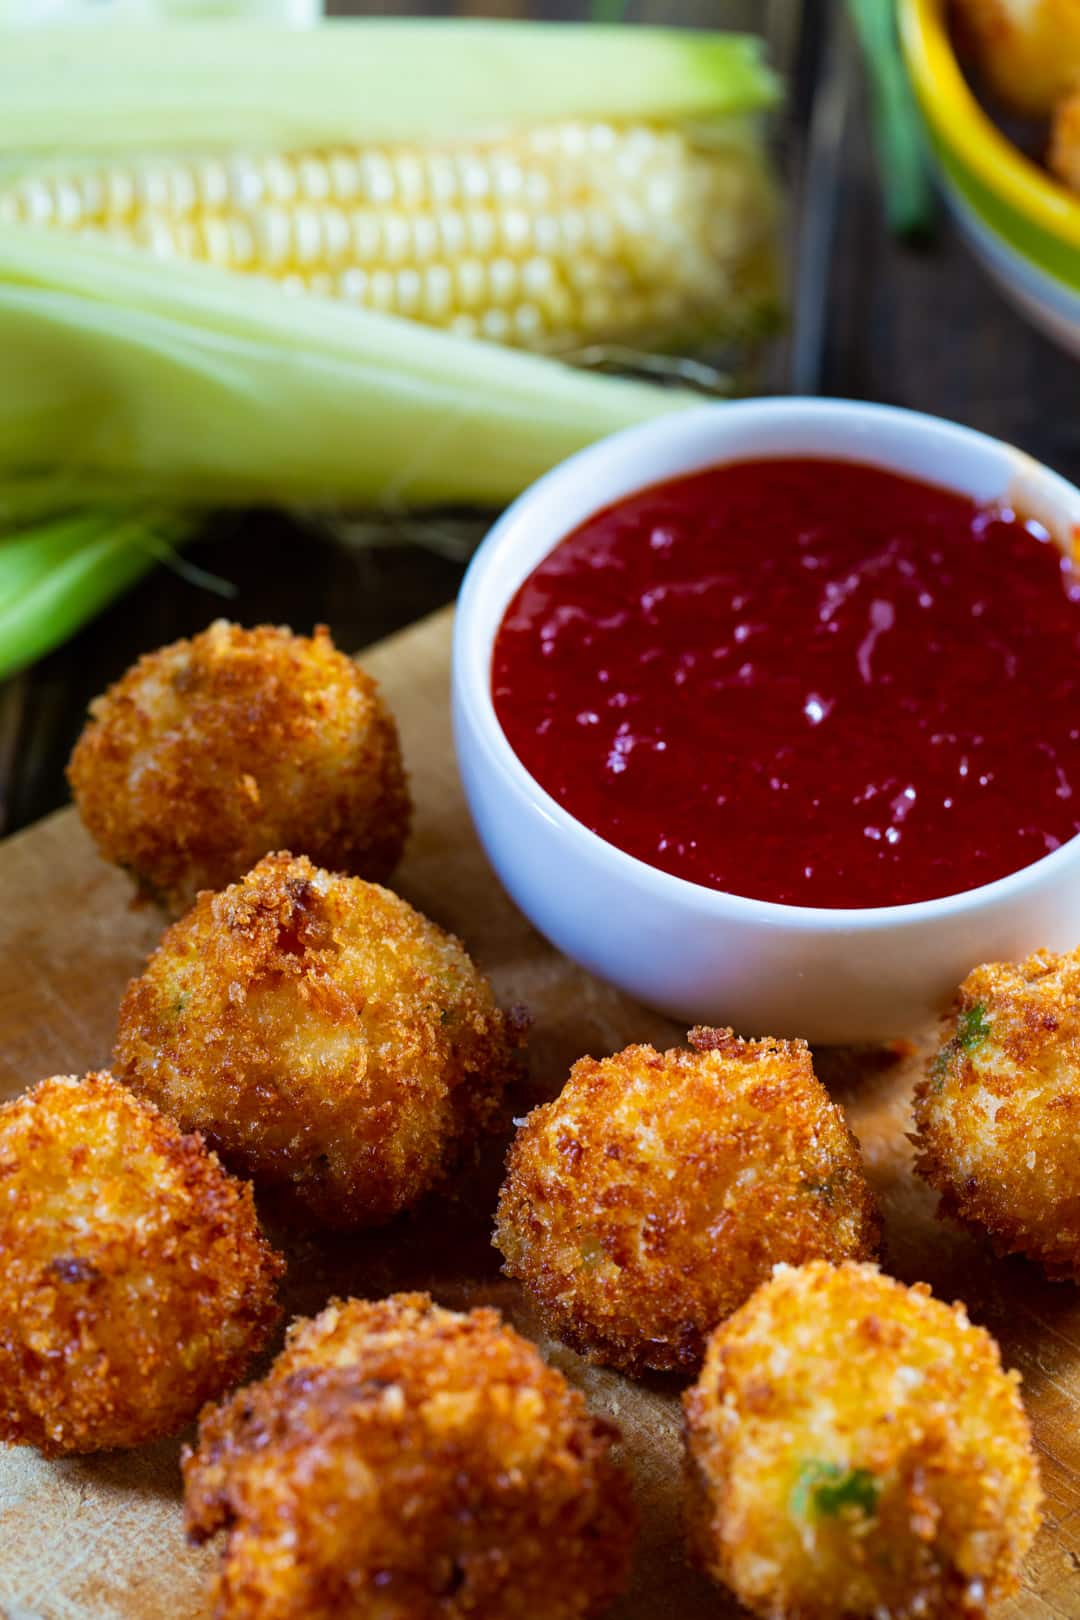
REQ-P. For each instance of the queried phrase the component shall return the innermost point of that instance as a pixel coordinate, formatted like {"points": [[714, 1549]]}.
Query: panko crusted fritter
{"points": [[855, 1449], [135, 1282], [998, 1115], [329, 1040], [212, 752], [659, 1189], [404, 1462], [1028, 50], [1064, 155]]}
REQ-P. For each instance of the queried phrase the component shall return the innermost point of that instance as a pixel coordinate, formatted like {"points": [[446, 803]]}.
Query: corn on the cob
{"points": [[535, 184], [569, 234]]}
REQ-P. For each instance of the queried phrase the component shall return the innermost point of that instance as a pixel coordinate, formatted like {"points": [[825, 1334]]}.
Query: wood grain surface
{"points": [[100, 1538]]}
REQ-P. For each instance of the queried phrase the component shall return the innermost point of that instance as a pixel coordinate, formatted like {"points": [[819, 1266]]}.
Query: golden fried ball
{"points": [[404, 1462], [855, 1449], [1064, 157], [135, 1282], [328, 1040], [998, 1114], [649, 1199], [212, 752], [1028, 50]]}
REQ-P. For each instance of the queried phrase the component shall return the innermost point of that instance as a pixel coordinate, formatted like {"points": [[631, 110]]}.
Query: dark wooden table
{"points": [[873, 320]]}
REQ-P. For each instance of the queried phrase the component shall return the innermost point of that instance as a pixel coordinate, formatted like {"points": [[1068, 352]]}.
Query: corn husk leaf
{"points": [[197, 385], [190, 86]]}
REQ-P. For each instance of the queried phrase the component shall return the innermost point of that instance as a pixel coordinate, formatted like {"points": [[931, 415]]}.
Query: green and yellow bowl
{"points": [[1022, 225]]}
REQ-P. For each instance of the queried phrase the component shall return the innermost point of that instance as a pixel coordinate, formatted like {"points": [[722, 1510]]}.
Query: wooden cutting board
{"points": [[100, 1538]]}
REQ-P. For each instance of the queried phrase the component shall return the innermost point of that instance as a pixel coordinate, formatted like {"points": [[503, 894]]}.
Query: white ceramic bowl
{"points": [[696, 953]]}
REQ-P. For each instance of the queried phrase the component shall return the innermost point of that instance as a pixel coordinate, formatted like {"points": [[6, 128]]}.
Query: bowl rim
{"points": [[961, 123], [475, 629]]}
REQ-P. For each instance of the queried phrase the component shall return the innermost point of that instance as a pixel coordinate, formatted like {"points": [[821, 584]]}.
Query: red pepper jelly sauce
{"points": [[806, 681]]}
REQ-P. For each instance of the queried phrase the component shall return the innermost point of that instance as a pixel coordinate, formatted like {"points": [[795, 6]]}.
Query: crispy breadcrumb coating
{"points": [[1028, 50], [210, 753], [1064, 157], [328, 1040], [855, 1449], [998, 1114], [654, 1194], [135, 1281], [404, 1462]]}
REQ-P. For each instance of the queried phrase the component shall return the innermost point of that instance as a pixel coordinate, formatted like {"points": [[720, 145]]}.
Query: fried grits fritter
{"points": [[659, 1189], [998, 1115], [855, 1449], [329, 1041], [210, 753], [1029, 50], [1064, 156], [405, 1462], [135, 1282]]}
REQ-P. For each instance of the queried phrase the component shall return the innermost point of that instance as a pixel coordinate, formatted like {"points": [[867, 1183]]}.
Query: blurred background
{"points": [[870, 316]]}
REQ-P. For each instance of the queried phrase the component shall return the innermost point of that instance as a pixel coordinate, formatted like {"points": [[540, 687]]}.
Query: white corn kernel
{"points": [[181, 190], [344, 176], [409, 288], [335, 234], [306, 238], [514, 230], [382, 291], [452, 233], [212, 183], [119, 192], [397, 238], [425, 237], [438, 292], [353, 284], [241, 243], [480, 226], [366, 235], [313, 179], [528, 323], [441, 179], [272, 238], [68, 205], [216, 241], [537, 277], [471, 283], [410, 180], [279, 180], [376, 178], [495, 325], [502, 281], [245, 183]]}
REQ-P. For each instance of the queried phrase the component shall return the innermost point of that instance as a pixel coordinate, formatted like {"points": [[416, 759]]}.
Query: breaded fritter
{"points": [[998, 1114], [404, 1462], [212, 752], [1064, 156], [654, 1194], [855, 1449], [328, 1040], [1028, 50], [135, 1281]]}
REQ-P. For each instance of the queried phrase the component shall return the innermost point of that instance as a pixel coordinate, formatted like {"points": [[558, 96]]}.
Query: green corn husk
{"points": [[56, 572], [113, 89], [192, 385]]}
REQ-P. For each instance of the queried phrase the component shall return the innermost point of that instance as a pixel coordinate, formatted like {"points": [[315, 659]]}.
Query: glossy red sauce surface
{"points": [[804, 681]]}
